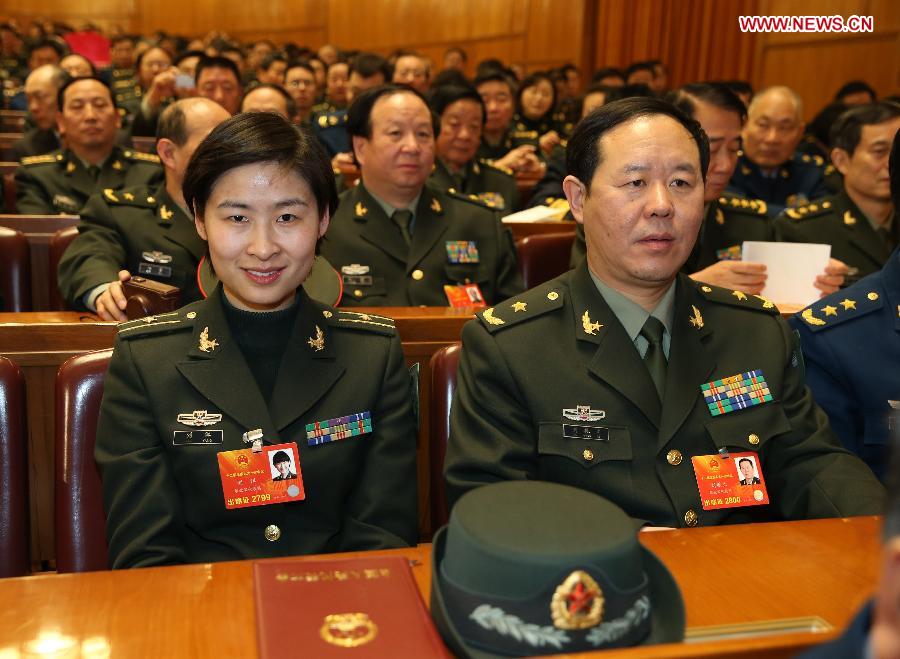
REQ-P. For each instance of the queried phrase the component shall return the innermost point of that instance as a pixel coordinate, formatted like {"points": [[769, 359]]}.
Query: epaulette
{"points": [[471, 198], [487, 163], [41, 160], [737, 299], [744, 205], [530, 304], [130, 197], [806, 211], [360, 321], [164, 322], [819, 161], [841, 307], [139, 156]]}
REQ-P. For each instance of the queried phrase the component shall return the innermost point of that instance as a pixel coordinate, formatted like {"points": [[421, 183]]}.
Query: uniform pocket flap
{"points": [[585, 443], [748, 429]]}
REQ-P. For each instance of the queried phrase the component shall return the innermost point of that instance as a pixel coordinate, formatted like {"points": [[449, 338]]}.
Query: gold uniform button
{"points": [[552, 295], [418, 275], [674, 457], [272, 533], [690, 518], [587, 454], [753, 439], [357, 293], [872, 296]]}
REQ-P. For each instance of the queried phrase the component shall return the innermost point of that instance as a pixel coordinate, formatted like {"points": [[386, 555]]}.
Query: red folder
{"points": [[351, 608]]}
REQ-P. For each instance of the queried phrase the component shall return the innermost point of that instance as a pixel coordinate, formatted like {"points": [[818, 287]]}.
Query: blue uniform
{"points": [[331, 129], [851, 344], [797, 181]]}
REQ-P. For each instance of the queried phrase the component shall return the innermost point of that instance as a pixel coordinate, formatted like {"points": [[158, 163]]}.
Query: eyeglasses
{"points": [[301, 83]]}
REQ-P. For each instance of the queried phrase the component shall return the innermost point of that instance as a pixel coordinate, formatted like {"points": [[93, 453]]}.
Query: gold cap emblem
{"points": [[577, 602]]}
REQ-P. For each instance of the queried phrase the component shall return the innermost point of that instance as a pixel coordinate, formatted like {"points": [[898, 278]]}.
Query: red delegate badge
{"points": [[730, 481], [261, 478]]}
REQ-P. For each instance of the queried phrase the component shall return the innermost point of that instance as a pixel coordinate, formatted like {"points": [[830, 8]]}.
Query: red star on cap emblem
{"points": [[580, 598]]}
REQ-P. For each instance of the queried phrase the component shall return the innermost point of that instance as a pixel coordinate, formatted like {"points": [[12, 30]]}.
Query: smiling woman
{"points": [[198, 403]]}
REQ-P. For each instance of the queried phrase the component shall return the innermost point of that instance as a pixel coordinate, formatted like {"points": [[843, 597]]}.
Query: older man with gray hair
{"points": [[769, 169], [41, 89]]}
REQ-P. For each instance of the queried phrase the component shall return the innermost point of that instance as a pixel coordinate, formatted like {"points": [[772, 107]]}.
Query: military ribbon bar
{"points": [[332, 430], [462, 251], [736, 392]]}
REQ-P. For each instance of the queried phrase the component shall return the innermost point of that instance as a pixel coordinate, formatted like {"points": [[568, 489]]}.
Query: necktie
{"points": [[93, 172], [655, 358], [402, 218]]}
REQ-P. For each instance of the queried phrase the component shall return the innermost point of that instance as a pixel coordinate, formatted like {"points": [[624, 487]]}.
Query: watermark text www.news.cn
{"points": [[811, 24]]}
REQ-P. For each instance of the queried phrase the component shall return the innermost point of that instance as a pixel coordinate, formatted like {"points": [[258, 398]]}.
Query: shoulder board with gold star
{"points": [[141, 157], [138, 196], [487, 163], [530, 304], [737, 299], [736, 204], [844, 305], [359, 321], [163, 323], [812, 209], [41, 160], [471, 198], [819, 161]]}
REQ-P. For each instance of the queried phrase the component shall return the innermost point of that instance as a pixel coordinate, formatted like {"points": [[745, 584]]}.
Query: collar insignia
{"points": [[317, 343], [207, 344], [199, 418]]}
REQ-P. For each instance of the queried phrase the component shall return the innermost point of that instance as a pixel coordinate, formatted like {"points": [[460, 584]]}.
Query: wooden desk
{"points": [[522, 229], [41, 341], [824, 568]]}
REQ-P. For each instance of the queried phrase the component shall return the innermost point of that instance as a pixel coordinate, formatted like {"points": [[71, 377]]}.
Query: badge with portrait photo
{"points": [[261, 478], [464, 295], [730, 481]]}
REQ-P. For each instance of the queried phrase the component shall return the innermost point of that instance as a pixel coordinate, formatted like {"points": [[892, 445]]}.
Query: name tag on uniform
{"points": [[734, 480], [574, 431], [357, 280], [153, 270], [261, 478], [196, 437], [464, 295]]}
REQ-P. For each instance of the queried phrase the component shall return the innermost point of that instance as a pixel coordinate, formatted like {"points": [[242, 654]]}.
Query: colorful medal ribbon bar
{"points": [[736, 392], [332, 430], [462, 251]]}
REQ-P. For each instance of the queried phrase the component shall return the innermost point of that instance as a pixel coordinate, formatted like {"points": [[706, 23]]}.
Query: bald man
{"points": [[41, 89], [769, 169], [141, 230]]}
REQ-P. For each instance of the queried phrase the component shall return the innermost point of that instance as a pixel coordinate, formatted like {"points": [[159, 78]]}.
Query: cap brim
{"points": [[667, 612]]}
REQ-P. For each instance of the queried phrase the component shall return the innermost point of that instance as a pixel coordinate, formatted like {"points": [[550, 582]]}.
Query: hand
{"points": [[111, 302], [738, 275], [833, 278], [548, 141], [518, 159], [343, 160], [162, 87]]}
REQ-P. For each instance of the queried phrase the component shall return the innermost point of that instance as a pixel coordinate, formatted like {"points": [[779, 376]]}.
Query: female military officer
{"points": [[198, 402]]}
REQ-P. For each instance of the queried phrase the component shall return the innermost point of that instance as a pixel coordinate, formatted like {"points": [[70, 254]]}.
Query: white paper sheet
{"points": [[791, 268], [535, 214]]}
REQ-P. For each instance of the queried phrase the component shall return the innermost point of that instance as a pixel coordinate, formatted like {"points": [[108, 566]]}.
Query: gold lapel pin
{"points": [[207, 344], [317, 343]]}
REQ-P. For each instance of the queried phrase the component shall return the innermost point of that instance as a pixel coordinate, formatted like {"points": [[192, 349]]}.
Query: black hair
{"points": [[457, 49], [442, 97], [48, 43], [172, 124], [229, 48], [747, 460], [583, 154], [368, 65], [496, 75], [119, 39], [847, 130], [338, 62], [630, 91], [291, 106], [450, 77], [266, 63], [90, 63], [894, 169], [820, 126], [188, 53], [359, 114], [532, 80], [60, 95], [608, 72], [855, 87], [216, 62], [140, 58], [491, 65], [640, 66], [282, 456], [259, 137], [715, 94]]}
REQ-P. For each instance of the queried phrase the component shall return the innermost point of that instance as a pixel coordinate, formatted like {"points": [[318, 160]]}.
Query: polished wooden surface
{"points": [[736, 574]]}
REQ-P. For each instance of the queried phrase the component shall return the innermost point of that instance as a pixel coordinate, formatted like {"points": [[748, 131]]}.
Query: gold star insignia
{"points": [[830, 310], [117, 165], [739, 295], [165, 213], [128, 196], [110, 194], [207, 344], [488, 315], [70, 167], [360, 209], [589, 327], [518, 306], [317, 343], [436, 205], [696, 320], [848, 304], [720, 216], [849, 220]]}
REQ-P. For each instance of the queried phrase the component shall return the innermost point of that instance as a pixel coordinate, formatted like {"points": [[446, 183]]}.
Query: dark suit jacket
{"points": [[165, 503], [496, 187], [797, 181], [517, 376]]}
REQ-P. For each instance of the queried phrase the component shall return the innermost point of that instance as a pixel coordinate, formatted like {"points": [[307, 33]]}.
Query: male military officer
{"points": [[496, 90], [617, 377], [859, 222], [398, 242], [41, 89], [769, 169], [62, 181], [218, 79], [145, 229], [851, 344], [461, 112]]}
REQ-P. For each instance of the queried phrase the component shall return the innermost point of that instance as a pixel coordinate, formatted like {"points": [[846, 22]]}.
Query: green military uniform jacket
{"points": [[394, 274], [495, 186], [138, 229], [58, 182], [837, 221], [163, 496], [529, 361]]}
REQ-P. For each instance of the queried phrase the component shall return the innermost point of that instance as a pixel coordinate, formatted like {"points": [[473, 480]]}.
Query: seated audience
{"points": [[41, 89], [219, 80], [266, 97]]}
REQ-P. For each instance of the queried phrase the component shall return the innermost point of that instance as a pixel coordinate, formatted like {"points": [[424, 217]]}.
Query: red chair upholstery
{"points": [[15, 271], [9, 186], [544, 256], [59, 242], [13, 472], [443, 385], [80, 518]]}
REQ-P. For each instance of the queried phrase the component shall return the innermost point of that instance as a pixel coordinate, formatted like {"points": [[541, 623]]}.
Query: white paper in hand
{"points": [[792, 269]]}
